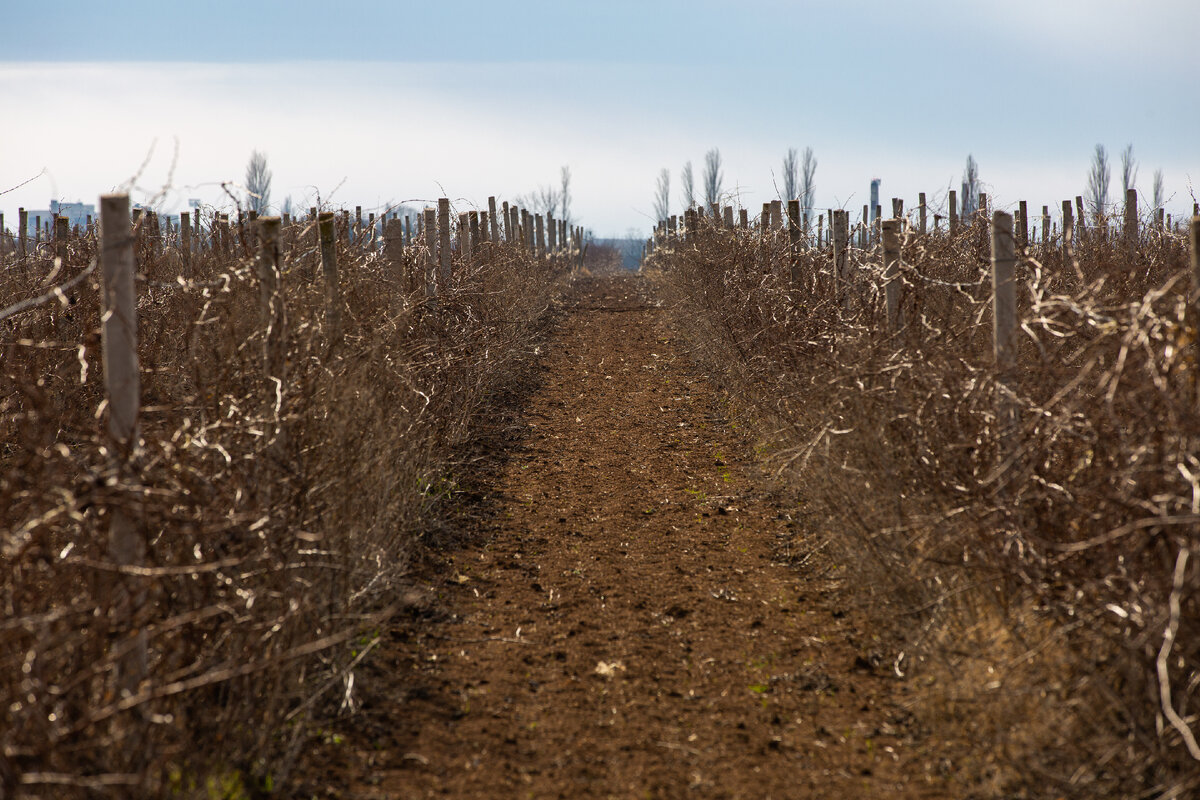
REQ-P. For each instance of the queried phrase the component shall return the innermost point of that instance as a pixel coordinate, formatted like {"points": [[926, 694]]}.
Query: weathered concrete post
{"points": [[1068, 231], [495, 223], [393, 251], [1004, 318], [185, 242], [62, 235], [1004, 293], [119, 324], [474, 231], [839, 233], [794, 235], [462, 239], [122, 382], [891, 271], [274, 311], [953, 212], [326, 228], [443, 228], [22, 227], [1131, 222], [430, 254]]}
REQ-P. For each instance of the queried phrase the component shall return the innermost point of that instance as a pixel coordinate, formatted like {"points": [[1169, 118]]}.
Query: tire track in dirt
{"points": [[625, 631]]}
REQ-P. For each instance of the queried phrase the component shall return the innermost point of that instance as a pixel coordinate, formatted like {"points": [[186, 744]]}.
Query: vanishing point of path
{"points": [[624, 629]]}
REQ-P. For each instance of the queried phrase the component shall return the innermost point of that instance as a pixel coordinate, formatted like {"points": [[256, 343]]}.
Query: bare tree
{"points": [[548, 200], [258, 183], [712, 176], [543, 200], [791, 177], [1098, 180], [1128, 170], [689, 185], [662, 195], [1158, 189], [970, 187], [565, 196], [808, 183]]}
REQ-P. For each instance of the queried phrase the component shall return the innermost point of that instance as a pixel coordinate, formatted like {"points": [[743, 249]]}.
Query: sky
{"points": [[404, 102]]}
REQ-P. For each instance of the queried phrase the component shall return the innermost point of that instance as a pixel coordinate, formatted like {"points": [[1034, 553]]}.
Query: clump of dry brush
{"points": [[1031, 536], [278, 517]]}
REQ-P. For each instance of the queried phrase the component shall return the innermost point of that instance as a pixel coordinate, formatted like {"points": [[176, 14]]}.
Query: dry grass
{"points": [[279, 519], [1024, 536]]}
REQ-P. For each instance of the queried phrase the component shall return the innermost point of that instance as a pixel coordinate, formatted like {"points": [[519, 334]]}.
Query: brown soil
{"points": [[625, 626]]}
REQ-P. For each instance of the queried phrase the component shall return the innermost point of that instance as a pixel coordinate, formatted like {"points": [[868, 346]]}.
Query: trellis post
{"points": [[1131, 222], [891, 271], [185, 242], [122, 382], [326, 223], [1004, 294], [794, 239], [393, 250], [429, 229], [274, 311], [839, 225], [495, 223], [443, 251]]}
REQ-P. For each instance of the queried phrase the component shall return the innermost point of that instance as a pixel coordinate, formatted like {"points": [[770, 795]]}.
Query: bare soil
{"points": [[626, 623]]}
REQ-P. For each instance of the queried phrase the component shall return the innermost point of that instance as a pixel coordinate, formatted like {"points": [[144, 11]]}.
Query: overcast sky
{"points": [[365, 105]]}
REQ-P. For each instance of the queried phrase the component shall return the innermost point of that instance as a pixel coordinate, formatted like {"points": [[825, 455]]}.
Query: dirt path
{"points": [[626, 631]]}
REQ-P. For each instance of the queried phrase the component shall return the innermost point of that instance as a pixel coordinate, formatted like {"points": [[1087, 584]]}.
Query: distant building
{"points": [[76, 214], [874, 199]]}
